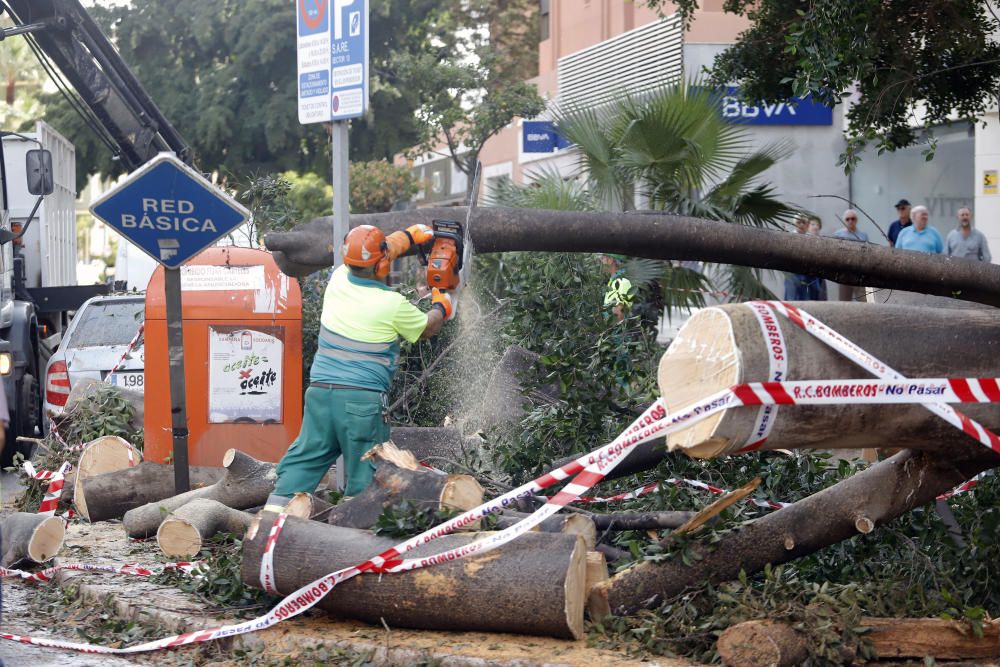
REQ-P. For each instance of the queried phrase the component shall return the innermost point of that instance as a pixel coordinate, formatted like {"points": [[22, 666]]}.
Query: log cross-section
{"points": [[30, 537]]}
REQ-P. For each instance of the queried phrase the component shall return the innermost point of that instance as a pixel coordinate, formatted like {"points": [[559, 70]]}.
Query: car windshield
{"points": [[107, 323]]}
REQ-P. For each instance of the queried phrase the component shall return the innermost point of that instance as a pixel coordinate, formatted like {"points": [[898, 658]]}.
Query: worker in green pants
{"points": [[360, 327]]}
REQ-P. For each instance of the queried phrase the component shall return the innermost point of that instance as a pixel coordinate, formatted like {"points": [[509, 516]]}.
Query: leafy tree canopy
{"points": [[908, 63], [224, 75]]}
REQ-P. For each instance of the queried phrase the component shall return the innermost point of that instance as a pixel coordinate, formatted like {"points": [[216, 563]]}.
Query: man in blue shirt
{"points": [[901, 223], [921, 236]]}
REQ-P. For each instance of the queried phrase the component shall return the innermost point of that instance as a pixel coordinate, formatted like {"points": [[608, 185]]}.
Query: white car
{"points": [[94, 344]]}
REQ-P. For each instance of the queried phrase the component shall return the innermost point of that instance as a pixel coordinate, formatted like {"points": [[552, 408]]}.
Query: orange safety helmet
{"points": [[365, 246]]}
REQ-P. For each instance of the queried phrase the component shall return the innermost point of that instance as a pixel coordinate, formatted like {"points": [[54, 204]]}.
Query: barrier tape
{"points": [[50, 502], [128, 350], [777, 370], [135, 569], [678, 481]]}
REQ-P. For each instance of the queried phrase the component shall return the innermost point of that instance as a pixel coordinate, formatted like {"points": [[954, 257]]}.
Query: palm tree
{"points": [[673, 148]]}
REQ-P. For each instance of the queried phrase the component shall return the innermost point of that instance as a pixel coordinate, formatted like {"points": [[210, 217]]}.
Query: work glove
{"points": [[443, 301], [398, 243], [420, 234]]}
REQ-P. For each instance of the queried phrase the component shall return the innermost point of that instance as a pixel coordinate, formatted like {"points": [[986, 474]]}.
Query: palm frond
{"points": [[547, 190]]}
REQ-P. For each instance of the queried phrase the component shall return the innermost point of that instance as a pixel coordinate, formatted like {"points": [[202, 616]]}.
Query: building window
{"points": [[543, 19]]}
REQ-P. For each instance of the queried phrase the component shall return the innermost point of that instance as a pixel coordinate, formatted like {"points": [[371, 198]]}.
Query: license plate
{"points": [[128, 380]]}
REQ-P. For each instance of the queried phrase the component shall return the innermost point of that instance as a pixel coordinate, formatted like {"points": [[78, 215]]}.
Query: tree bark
{"points": [[111, 495], [724, 345], [246, 482], [765, 642], [398, 476], [857, 504], [534, 585], [307, 248], [569, 523], [641, 520], [182, 534], [30, 537]]}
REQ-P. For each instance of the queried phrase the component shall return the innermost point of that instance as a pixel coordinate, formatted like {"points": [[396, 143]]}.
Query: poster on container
{"points": [[245, 374]]}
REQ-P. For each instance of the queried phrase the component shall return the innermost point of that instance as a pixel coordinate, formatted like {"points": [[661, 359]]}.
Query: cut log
{"points": [[597, 572], [569, 523], [534, 585], [245, 483], [111, 495], [106, 454], [762, 644], [398, 476], [30, 537], [641, 520], [724, 345], [308, 506], [307, 247], [182, 534], [765, 642], [880, 493]]}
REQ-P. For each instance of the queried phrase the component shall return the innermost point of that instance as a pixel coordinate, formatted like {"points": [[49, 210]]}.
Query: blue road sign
{"points": [[348, 59], [169, 210]]}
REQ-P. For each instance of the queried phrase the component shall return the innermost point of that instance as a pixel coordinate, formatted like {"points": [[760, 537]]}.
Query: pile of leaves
{"points": [[103, 410]]}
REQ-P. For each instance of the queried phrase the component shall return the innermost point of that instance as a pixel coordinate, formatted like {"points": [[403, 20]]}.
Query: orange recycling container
{"points": [[242, 358]]}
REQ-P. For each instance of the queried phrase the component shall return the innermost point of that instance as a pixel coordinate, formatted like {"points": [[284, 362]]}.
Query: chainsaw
{"points": [[445, 260]]}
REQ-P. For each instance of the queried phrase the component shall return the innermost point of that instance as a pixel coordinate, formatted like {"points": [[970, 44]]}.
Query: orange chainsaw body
{"points": [[444, 263]]}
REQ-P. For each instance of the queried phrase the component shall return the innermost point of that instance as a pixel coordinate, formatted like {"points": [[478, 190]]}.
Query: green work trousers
{"points": [[336, 421]]}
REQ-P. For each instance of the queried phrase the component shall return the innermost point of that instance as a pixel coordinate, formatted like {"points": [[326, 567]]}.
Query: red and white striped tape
{"points": [[128, 350], [777, 362], [56, 479], [126, 568], [677, 481]]}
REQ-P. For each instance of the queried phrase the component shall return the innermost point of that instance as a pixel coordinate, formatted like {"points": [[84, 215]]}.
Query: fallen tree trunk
{"points": [[724, 345], [398, 477], [641, 520], [246, 482], [111, 495], [534, 585], [857, 504], [30, 537], [762, 643], [308, 247], [571, 524]]}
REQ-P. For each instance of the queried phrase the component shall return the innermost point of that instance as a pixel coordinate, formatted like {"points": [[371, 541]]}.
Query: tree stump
{"points": [[245, 483], [534, 585], [398, 476], [30, 537], [762, 644]]}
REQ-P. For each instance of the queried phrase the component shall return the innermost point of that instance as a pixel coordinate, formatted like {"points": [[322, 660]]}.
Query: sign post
{"points": [[171, 213], [333, 86]]}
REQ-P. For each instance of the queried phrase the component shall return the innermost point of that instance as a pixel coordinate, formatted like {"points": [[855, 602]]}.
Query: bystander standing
{"points": [[796, 284], [901, 222], [967, 242], [850, 232], [921, 236], [815, 286]]}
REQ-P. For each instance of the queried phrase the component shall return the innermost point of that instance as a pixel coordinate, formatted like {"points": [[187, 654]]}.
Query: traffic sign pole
{"points": [[341, 189], [178, 387]]}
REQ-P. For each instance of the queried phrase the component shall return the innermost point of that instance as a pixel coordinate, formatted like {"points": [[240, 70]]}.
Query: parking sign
{"points": [[332, 59]]}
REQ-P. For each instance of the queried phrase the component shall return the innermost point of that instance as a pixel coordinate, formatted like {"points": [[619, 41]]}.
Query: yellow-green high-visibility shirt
{"points": [[359, 332]]}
